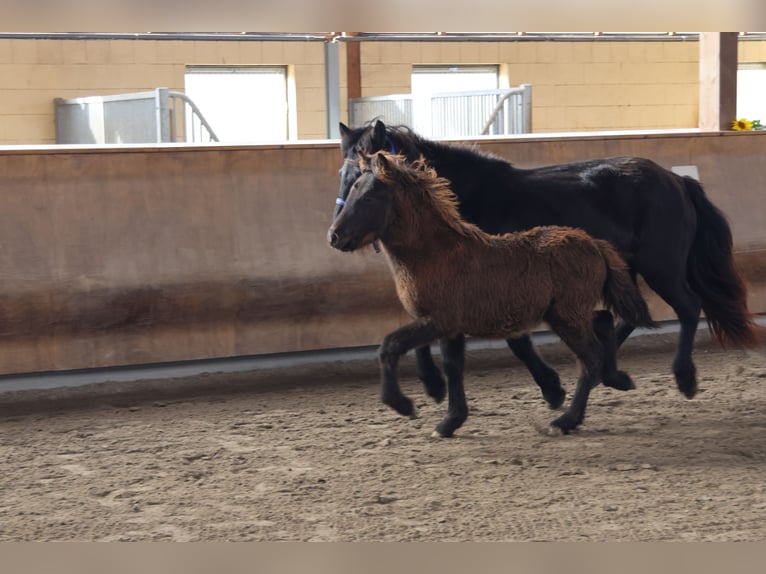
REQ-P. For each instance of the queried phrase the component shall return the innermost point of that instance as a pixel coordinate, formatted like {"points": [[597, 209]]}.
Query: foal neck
{"points": [[426, 215]]}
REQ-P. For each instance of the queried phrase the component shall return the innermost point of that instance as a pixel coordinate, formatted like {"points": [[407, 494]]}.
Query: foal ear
{"points": [[378, 135], [380, 162]]}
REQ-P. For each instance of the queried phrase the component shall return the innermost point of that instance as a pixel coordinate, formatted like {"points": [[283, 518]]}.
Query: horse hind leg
{"points": [[603, 327], [429, 374], [453, 354], [545, 377], [587, 347], [623, 329], [687, 306]]}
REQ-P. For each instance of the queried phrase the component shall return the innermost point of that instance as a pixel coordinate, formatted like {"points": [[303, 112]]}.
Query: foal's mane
{"points": [[417, 178]]}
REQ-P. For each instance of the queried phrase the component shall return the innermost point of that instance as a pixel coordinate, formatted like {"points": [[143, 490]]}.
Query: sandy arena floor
{"points": [[309, 453]]}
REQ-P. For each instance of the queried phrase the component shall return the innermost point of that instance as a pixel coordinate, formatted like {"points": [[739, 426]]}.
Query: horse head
{"points": [[368, 207], [355, 143]]}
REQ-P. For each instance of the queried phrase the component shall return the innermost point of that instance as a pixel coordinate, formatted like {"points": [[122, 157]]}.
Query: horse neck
{"points": [[459, 164]]}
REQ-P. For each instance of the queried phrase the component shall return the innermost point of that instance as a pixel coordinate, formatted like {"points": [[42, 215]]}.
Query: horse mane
{"points": [[408, 142], [418, 178]]}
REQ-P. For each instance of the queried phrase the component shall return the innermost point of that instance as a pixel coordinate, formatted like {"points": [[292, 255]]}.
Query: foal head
{"points": [[399, 199], [368, 208]]}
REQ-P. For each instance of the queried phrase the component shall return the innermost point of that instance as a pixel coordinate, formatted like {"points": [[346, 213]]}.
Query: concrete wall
{"points": [[115, 256], [583, 85]]}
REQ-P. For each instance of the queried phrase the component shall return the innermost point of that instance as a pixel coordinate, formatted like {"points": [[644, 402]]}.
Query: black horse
{"points": [[662, 223]]}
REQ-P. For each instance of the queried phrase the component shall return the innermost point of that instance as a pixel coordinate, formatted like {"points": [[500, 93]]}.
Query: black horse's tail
{"points": [[621, 294], [713, 275]]}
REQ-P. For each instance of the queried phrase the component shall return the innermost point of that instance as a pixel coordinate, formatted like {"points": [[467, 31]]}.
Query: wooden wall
{"points": [[116, 256]]}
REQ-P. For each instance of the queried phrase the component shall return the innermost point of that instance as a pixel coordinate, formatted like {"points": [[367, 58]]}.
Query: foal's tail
{"points": [[621, 294], [712, 274]]}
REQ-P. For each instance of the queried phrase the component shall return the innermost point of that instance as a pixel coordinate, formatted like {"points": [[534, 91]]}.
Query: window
{"points": [[242, 104], [441, 106], [751, 92], [432, 79]]}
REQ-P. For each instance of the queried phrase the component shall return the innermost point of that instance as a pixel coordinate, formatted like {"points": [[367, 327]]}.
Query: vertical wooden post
{"points": [[353, 67], [718, 80]]}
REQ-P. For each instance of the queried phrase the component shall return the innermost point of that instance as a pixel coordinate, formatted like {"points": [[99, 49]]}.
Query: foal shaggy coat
{"points": [[457, 280]]}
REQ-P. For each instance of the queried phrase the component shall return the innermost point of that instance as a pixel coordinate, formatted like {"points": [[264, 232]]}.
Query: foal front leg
{"points": [[453, 355], [429, 374], [416, 334]]}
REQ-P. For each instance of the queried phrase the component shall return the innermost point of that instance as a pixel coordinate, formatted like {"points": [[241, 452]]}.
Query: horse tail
{"points": [[621, 294], [713, 275]]}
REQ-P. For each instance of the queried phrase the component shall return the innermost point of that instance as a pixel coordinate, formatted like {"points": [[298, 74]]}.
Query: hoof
{"points": [[448, 426], [687, 383], [690, 392], [402, 405], [619, 380], [436, 391], [555, 398], [565, 424]]}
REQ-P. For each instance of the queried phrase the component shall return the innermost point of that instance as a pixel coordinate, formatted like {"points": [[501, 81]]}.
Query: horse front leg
{"points": [[416, 334], [545, 377], [453, 355]]}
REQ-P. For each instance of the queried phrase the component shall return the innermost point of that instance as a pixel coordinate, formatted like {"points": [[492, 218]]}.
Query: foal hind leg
{"points": [[453, 354], [396, 344], [430, 374], [603, 326], [545, 377], [582, 340]]}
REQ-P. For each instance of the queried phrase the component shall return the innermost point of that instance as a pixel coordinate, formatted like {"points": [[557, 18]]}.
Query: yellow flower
{"points": [[742, 125]]}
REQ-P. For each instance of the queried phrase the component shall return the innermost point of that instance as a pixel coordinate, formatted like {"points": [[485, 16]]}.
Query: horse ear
{"points": [[378, 135], [345, 131]]}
